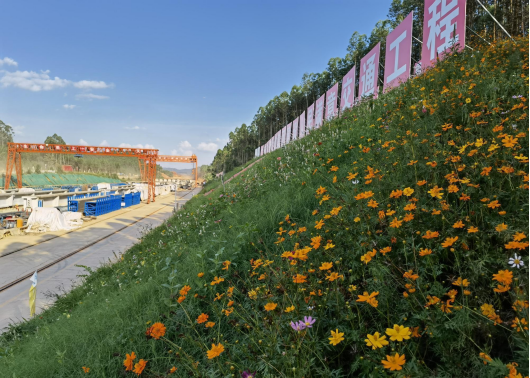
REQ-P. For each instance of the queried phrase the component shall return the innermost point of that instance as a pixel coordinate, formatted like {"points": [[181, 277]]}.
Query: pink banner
{"points": [[398, 54], [310, 118], [301, 127], [369, 73], [319, 111], [347, 97], [284, 136], [331, 102], [295, 129], [288, 136], [444, 26]]}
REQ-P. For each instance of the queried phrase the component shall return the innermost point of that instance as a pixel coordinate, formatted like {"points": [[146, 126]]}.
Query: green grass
{"points": [[107, 316]]}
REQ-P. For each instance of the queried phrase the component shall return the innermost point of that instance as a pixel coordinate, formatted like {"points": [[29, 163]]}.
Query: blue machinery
{"points": [[102, 205]]}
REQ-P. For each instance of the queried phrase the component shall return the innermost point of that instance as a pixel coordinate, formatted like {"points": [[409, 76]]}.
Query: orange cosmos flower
{"points": [[509, 141], [185, 290], [461, 282], [411, 275], [200, 274], [270, 306], [394, 362], [369, 298], [139, 367], [396, 193], [396, 223], [431, 235], [172, 370], [408, 217], [472, 229], [299, 278], [217, 280], [505, 277], [485, 171], [494, 204], [86, 369], [385, 250], [501, 227], [333, 276], [351, 176], [459, 224], [181, 299], [128, 362], [326, 266], [215, 351], [421, 183], [209, 324], [449, 242], [156, 331], [372, 203], [425, 252], [410, 207], [321, 190], [202, 318], [319, 224]]}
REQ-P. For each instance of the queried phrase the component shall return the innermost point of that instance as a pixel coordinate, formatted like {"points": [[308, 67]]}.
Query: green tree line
{"points": [[287, 106]]}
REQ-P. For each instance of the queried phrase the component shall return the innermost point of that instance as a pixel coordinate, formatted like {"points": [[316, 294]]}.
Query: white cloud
{"points": [[212, 147], [32, 81], [18, 130], [36, 82], [139, 145], [132, 128], [83, 142], [8, 62], [90, 84], [184, 149], [104, 143], [91, 96], [66, 106]]}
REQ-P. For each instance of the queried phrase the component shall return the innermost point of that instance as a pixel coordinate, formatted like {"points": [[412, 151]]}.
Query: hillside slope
{"points": [[387, 233]]}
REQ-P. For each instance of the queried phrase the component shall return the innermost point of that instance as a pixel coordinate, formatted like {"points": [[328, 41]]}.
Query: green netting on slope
{"points": [[43, 179]]}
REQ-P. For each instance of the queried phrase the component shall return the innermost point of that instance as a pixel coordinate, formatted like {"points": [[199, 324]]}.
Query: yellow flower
{"points": [[408, 191], [289, 309], [436, 192], [336, 337], [468, 100], [375, 341], [357, 219], [398, 333], [326, 266], [369, 298], [333, 276]]}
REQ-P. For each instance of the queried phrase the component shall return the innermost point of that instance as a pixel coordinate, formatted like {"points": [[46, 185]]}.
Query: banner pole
{"points": [[478, 35], [498, 23]]}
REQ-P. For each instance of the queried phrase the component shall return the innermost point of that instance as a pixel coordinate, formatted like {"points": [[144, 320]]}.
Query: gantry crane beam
{"points": [[14, 158], [172, 159]]}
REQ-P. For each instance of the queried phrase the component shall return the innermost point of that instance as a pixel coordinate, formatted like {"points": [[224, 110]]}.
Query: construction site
{"points": [[54, 228]]}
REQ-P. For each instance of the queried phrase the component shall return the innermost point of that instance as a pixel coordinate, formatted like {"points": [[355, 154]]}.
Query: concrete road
{"points": [[96, 243]]}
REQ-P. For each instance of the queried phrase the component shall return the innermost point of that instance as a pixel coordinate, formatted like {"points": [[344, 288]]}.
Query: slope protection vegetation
{"points": [[386, 243]]}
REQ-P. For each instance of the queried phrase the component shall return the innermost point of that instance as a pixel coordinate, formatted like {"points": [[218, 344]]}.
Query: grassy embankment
{"points": [[403, 212]]}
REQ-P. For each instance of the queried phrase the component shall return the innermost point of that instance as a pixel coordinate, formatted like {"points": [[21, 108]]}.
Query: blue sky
{"points": [[177, 75]]}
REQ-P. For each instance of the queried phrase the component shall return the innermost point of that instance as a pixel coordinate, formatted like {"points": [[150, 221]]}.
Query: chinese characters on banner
{"points": [[301, 127], [347, 97], [331, 102], [444, 26], [288, 133], [319, 111], [369, 73], [310, 119], [398, 54], [295, 129]]}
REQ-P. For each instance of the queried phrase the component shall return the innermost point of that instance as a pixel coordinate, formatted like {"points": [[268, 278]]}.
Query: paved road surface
{"points": [[20, 256]]}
